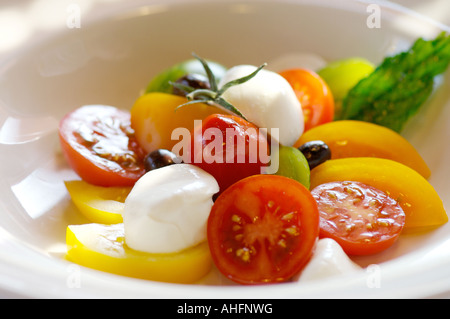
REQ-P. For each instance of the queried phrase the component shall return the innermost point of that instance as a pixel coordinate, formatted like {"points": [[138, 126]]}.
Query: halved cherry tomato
{"points": [[229, 148], [314, 95], [419, 200], [99, 144], [263, 229], [361, 218]]}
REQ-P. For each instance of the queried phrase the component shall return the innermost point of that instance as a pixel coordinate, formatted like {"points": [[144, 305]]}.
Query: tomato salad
{"points": [[169, 194]]}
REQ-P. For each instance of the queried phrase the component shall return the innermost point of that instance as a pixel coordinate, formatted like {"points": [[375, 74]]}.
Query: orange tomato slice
{"points": [[363, 139]]}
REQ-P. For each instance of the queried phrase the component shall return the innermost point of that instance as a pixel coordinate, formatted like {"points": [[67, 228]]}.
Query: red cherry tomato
{"points": [[99, 144], [361, 218], [229, 148], [314, 95], [263, 229]]}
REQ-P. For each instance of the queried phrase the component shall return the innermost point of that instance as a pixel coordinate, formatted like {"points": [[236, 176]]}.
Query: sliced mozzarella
{"points": [[267, 100], [100, 238], [168, 208], [328, 260]]}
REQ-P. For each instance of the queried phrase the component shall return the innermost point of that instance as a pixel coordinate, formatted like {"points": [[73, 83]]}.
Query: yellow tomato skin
{"points": [[421, 203], [350, 138], [102, 247], [154, 117], [98, 204]]}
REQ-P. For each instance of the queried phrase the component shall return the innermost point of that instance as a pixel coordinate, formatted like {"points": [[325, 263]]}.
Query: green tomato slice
{"points": [[293, 164], [342, 75]]}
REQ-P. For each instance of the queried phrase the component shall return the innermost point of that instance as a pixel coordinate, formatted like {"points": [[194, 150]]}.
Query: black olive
{"points": [[316, 152], [160, 158], [195, 81]]}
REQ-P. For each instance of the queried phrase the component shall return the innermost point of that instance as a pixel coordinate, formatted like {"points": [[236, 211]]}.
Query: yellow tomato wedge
{"points": [[349, 138], [421, 203], [102, 247], [99, 204], [154, 117]]}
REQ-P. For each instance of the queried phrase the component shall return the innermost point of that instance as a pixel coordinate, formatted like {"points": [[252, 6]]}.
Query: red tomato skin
{"points": [[314, 95], [228, 172], [273, 263], [89, 166], [351, 244]]}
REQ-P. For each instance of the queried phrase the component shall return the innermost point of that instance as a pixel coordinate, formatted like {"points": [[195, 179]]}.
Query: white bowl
{"points": [[111, 58]]}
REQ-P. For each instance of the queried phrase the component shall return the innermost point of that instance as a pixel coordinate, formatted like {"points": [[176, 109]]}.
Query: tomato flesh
{"points": [[263, 229], [361, 218], [314, 95], [99, 144]]}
